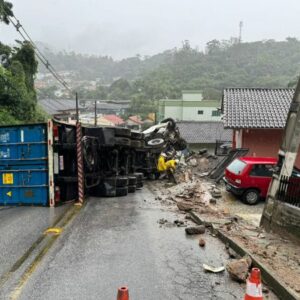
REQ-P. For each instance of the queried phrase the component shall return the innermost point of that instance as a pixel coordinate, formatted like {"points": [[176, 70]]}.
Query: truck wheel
{"points": [[131, 188], [171, 122], [122, 181], [139, 176], [132, 180], [157, 143], [139, 185], [251, 196], [121, 191]]}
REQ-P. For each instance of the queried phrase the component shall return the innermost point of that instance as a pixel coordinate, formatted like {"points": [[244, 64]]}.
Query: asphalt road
{"points": [[20, 228], [118, 241]]}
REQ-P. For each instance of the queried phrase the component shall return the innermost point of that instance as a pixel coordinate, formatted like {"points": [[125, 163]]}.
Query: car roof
{"points": [[251, 160]]}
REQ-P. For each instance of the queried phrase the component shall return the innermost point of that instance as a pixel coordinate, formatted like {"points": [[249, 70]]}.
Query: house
{"points": [[61, 109], [201, 135], [192, 107], [257, 117], [134, 122], [113, 120]]}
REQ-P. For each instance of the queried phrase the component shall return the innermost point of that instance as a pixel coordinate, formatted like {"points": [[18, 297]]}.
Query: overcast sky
{"points": [[122, 28]]}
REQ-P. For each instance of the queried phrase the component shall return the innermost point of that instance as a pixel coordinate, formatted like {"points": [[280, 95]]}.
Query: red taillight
{"points": [[57, 194], [55, 132]]}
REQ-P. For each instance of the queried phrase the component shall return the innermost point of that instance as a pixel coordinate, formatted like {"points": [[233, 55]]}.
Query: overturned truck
{"points": [[53, 163]]}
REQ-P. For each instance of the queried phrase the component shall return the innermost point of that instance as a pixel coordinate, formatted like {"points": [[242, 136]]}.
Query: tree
{"points": [[5, 11]]}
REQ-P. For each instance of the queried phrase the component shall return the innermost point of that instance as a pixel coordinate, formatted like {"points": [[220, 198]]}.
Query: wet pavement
{"points": [[118, 241], [20, 228], [251, 213]]}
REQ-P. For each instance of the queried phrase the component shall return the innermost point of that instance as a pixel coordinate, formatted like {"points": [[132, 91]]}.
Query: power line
{"points": [[20, 29]]}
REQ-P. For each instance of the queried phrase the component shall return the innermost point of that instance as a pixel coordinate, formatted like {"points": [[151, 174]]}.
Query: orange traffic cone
{"points": [[123, 293], [254, 288]]}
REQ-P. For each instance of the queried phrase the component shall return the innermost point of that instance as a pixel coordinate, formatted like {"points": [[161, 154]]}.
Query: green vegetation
{"points": [[18, 67], [223, 64]]}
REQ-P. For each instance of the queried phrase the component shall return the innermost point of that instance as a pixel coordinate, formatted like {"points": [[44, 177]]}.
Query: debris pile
{"points": [[238, 269]]}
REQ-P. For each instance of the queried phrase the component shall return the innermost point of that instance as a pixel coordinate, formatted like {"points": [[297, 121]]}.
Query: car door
{"points": [[260, 177]]}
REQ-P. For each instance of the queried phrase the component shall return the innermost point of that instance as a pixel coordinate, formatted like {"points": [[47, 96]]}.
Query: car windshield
{"points": [[236, 167]]}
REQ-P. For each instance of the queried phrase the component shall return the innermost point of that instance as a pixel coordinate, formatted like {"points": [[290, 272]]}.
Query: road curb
{"points": [[281, 290]]}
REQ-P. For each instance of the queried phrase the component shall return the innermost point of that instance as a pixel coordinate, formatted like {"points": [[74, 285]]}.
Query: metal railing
{"points": [[289, 190]]}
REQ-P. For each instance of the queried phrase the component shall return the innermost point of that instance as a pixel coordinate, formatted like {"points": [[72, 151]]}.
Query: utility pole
{"points": [[240, 31], [287, 157], [77, 107], [95, 112]]}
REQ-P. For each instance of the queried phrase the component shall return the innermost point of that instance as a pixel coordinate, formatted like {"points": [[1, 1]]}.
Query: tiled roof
{"points": [[198, 132], [114, 119], [57, 106], [256, 107], [136, 119]]}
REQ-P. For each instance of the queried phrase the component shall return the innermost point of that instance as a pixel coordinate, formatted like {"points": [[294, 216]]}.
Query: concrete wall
{"points": [[263, 142], [282, 218]]}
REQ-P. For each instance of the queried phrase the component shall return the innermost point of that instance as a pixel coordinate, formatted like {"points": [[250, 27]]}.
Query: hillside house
{"points": [[257, 117], [192, 107]]}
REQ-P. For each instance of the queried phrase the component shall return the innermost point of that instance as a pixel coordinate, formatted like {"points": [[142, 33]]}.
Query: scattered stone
{"points": [[158, 198], [216, 193], [162, 221], [202, 151], [193, 162], [238, 269], [202, 243], [195, 230], [213, 201], [184, 205], [179, 223]]}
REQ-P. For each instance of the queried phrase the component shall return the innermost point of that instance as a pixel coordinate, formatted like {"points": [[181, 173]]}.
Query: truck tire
{"points": [[139, 176], [122, 132], [132, 180], [139, 185], [122, 141], [251, 196], [121, 191], [171, 121], [156, 143], [131, 188], [121, 181]]}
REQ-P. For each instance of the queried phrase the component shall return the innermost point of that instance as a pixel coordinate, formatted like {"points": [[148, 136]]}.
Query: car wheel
{"points": [[251, 196], [139, 185]]}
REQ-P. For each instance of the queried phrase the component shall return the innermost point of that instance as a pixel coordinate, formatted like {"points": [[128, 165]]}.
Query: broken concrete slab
{"points": [[195, 230]]}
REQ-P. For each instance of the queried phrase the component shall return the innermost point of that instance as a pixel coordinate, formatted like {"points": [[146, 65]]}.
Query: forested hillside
{"points": [[18, 67], [223, 64]]}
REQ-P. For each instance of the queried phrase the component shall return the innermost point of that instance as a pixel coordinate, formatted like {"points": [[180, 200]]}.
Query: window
{"points": [[262, 170], [215, 113], [200, 112], [236, 167]]}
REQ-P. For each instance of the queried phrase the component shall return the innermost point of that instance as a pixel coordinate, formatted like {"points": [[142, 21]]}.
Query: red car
{"points": [[250, 177]]}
